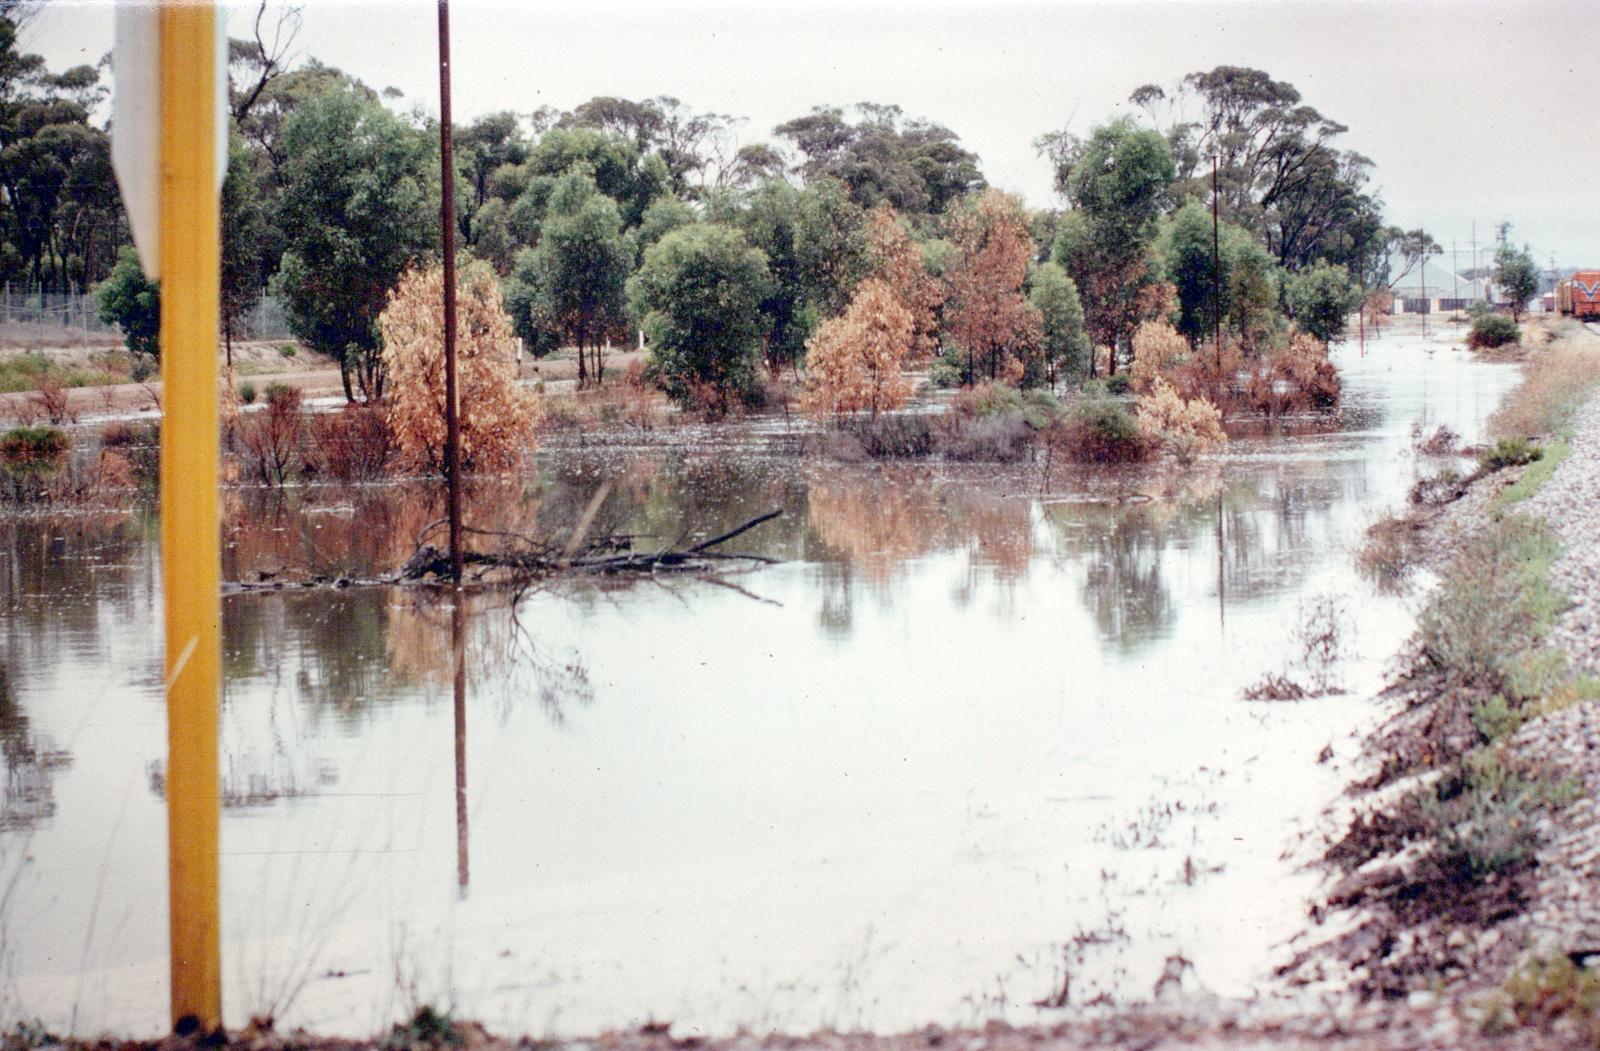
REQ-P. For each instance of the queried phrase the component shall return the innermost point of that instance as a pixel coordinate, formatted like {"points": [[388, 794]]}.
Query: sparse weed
{"points": [[1509, 452], [1494, 603], [1547, 993]]}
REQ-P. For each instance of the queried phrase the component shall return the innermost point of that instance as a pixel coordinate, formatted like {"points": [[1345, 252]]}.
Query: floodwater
{"points": [[975, 746]]}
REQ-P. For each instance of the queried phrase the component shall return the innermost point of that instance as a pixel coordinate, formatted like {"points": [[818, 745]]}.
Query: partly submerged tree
{"points": [[497, 413], [699, 296], [986, 313], [359, 205], [1321, 299], [855, 361], [579, 271], [1065, 342], [895, 258], [1118, 185]]}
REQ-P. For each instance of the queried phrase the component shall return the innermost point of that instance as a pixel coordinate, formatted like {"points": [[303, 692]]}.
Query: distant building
{"points": [[1445, 290]]}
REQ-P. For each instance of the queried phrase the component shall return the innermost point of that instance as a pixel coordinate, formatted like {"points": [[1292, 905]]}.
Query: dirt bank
{"points": [[262, 365]]}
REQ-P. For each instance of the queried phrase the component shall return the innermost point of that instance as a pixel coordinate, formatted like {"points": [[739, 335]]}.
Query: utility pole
{"points": [[1216, 268], [1361, 311], [447, 208], [1455, 277], [1475, 260], [1424, 281]]}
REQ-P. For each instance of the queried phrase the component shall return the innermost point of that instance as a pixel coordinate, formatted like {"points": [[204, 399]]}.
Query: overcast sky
{"points": [[1470, 110]]}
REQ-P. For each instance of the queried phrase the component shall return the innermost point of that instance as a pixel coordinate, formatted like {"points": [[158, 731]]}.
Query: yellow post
{"points": [[190, 546]]}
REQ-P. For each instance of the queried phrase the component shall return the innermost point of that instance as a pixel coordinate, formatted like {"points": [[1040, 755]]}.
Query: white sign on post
{"points": [[136, 121]]}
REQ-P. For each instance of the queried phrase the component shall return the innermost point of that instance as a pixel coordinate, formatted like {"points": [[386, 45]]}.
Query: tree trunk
{"points": [[583, 366], [344, 377], [227, 338]]}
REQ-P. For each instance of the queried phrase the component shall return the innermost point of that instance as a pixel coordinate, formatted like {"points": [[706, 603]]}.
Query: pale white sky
{"points": [[1472, 110]]}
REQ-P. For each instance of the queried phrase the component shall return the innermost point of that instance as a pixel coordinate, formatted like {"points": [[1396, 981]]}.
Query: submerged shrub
{"points": [[1184, 428], [271, 439], [353, 444], [988, 400], [1005, 438], [1158, 348], [1492, 330], [1296, 378], [1099, 428], [29, 457], [497, 414]]}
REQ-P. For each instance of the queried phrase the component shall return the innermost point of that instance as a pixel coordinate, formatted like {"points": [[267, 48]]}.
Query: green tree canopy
{"points": [[579, 270], [359, 204], [1321, 298], [1117, 182], [699, 293], [1518, 278], [917, 166], [243, 230], [132, 302], [1066, 342], [1246, 288]]}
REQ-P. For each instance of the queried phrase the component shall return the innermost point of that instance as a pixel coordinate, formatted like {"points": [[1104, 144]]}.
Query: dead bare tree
{"points": [[267, 55]]}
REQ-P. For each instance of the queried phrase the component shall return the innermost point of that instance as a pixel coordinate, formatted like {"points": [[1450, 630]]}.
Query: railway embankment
{"points": [[1468, 880]]}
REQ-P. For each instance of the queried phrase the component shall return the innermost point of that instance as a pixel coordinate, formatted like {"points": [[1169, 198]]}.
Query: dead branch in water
{"points": [[605, 555], [524, 560]]}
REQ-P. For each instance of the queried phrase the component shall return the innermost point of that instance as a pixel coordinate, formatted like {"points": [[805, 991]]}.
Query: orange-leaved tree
{"points": [[497, 414], [985, 311], [896, 260], [854, 361]]}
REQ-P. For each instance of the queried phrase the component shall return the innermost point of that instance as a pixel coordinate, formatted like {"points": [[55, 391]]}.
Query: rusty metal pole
{"points": [[447, 209], [458, 654], [1216, 268]]}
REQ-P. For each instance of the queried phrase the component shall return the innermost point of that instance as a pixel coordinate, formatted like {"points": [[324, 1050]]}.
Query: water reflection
{"points": [[855, 801], [32, 763]]}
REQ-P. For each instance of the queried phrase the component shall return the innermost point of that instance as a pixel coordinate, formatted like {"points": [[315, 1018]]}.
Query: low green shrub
{"points": [[288, 350], [1118, 384], [1099, 428], [1509, 452], [247, 393], [1549, 993], [1036, 408], [1495, 601], [1492, 330], [1481, 817]]}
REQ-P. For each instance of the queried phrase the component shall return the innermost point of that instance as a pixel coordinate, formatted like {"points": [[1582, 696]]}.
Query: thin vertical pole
{"points": [[1455, 277], [1475, 260], [1424, 280], [1361, 313], [458, 651], [447, 208], [1216, 268], [191, 550]]}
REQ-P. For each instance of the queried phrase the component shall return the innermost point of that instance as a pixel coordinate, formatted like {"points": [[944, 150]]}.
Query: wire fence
{"points": [[73, 319]]}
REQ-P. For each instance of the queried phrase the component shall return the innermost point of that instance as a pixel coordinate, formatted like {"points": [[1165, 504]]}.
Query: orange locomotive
{"points": [[1579, 295]]}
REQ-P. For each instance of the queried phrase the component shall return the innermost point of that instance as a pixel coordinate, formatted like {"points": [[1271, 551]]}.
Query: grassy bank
{"points": [[1440, 862]]}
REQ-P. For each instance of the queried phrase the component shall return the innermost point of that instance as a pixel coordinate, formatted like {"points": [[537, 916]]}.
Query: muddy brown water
{"points": [[976, 746]]}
